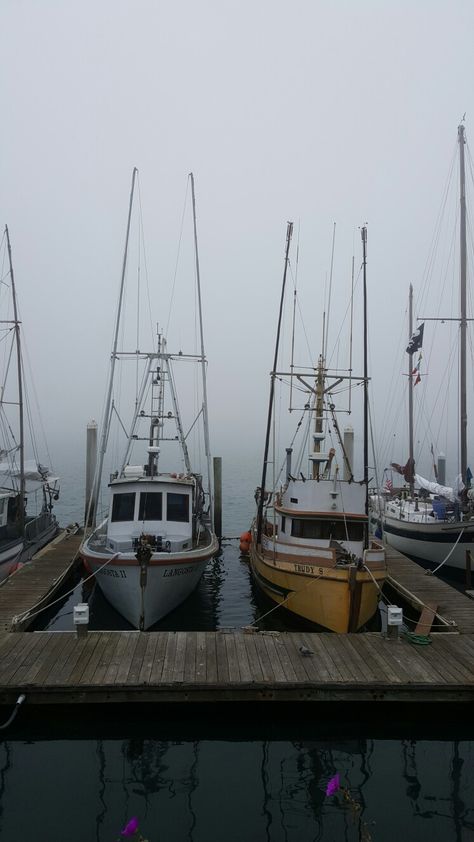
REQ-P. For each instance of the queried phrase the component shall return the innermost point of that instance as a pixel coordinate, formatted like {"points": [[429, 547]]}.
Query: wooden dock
{"points": [[35, 584], [220, 667], [418, 587], [234, 665]]}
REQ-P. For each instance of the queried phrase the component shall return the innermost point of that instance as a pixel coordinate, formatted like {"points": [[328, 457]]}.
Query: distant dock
{"points": [[232, 665]]}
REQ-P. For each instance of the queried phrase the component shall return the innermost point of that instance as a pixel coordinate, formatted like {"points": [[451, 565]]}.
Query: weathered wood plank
{"points": [[148, 659], [232, 660], [221, 658], [200, 656], [159, 658], [137, 659], [167, 674], [242, 657], [211, 658], [189, 674], [426, 618], [253, 659]]}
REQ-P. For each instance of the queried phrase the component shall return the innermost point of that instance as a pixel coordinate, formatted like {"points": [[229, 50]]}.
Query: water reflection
{"points": [[201, 789]]}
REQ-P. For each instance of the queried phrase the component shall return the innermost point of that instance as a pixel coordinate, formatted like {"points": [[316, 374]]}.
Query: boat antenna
{"points": [[463, 259], [205, 416], [21, 513], [350, 337], [366, 384], [325, 348], [113, 357], [289, 232]]}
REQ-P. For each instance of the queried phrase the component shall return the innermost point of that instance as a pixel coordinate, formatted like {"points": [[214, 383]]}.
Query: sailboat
{"points": [[429, 520], [23, 482], [310, 550], [151, 550]]}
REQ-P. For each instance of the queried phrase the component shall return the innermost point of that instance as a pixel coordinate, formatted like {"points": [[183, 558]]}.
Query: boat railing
{"points": [[37, 525]]}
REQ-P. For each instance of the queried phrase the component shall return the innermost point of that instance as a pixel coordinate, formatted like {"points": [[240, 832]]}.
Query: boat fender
{"points": [[87, 566], [245, 541]]}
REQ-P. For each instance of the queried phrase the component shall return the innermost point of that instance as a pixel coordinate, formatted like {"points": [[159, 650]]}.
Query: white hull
{"points": [[430, 542], [169, 581]]}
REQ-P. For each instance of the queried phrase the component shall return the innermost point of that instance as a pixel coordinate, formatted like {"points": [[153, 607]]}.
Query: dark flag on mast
{"points": [[416, 340]]}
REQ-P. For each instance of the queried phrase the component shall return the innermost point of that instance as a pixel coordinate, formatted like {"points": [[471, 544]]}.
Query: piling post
{"points": [[91, 461], [468, 570], [217, 465]]}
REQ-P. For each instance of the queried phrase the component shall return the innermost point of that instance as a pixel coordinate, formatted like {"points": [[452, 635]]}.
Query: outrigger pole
{"points": [[289, 232]]}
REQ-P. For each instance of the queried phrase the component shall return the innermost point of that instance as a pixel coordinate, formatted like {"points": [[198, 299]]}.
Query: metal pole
{"points": [[410, 394], [21, 518], [366, 387], [463, 259], [207, 446], [113, 357], [289, 231]]}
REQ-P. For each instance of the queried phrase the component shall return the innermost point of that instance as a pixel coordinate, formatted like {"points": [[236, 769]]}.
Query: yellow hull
{"points": [[340, 599]]}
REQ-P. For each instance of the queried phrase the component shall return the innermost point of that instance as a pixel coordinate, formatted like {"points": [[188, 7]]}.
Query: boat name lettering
{"points": [[119, 574], [177, 571], [307, 568]]}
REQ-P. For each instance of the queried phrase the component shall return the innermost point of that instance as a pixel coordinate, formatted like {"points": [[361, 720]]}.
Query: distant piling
{"points": [[91, 460], [217, 465]]}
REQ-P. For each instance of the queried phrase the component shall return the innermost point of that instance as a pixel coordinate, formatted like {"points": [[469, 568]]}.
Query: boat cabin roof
{"points": [[158, 479]]}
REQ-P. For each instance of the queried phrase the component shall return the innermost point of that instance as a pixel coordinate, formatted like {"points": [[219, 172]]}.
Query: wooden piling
{"points": [[91, 461], [217, 465]]}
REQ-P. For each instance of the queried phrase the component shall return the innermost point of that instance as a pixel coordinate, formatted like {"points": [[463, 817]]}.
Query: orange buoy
{"points": [[245, 541]]}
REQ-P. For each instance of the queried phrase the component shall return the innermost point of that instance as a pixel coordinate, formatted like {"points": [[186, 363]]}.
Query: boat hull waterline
{"points": [[340, 599], [170, 579]]}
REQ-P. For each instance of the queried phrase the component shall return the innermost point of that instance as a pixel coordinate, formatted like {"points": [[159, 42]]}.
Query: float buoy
{"points": [[245, 541], [87, 566]]}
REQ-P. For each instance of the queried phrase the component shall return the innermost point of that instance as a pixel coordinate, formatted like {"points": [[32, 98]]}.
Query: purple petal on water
{"points": [[130, 828], [333, 785]]}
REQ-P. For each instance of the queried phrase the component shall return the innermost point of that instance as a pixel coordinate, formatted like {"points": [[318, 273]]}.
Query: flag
{"points": [[416, 371], [416, 340], [388, 485]]}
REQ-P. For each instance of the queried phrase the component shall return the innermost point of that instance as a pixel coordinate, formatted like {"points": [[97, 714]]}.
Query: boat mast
{"points": [[366, 385], [21, 518], [113, 356], [289, 231], [410, 395], [463, 259], [205, 416]]}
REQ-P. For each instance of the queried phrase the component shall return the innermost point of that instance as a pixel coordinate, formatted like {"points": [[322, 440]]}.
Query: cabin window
{"points": [[151, 505], [338, 530], [177, 507], [283, 523], [123, 506]]}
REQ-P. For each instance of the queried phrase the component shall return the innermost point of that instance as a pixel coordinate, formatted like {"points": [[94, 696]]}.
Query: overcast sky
{"points": [[316, 112]]}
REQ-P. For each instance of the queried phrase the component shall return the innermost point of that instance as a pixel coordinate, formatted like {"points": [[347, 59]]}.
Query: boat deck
{"points": [[218, 667]]}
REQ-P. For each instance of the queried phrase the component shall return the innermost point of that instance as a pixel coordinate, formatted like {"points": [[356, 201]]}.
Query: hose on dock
{"points": [[417, 639], [17, 707]]}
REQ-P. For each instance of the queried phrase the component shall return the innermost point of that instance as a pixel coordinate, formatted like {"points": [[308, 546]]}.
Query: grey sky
{"points": [[318, 112]]}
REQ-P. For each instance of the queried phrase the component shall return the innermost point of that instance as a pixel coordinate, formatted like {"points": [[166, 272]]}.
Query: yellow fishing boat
{"points": [[309, 547]]}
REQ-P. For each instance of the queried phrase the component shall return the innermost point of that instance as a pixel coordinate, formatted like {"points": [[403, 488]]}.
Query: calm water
{"points": [[233, 774]]}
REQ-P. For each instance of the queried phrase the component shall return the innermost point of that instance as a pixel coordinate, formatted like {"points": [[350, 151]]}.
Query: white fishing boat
{"points": [[27, 488], [310, 549], [427, 519], [151, 550]]}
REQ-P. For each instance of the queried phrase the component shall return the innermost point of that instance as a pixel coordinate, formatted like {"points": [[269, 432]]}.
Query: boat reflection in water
{"points": [[269, 788]]}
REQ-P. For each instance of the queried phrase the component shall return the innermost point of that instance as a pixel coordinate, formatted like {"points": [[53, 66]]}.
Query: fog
{"points": [[321, 113]]}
